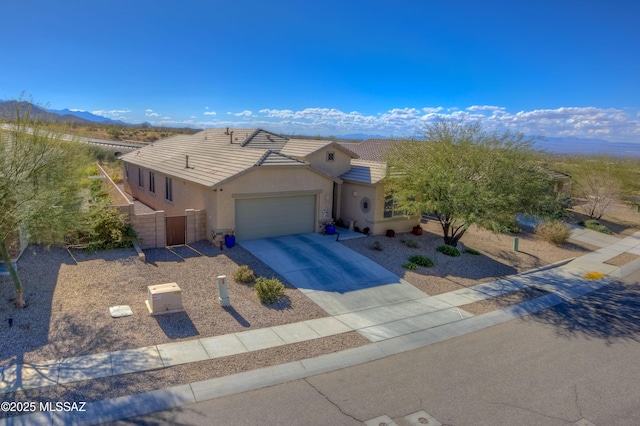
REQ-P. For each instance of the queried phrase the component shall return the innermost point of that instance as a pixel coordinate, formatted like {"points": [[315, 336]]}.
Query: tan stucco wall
{"points": [[271, 180], [186, 195], [340, 165], [350, 205], [375, 219]]}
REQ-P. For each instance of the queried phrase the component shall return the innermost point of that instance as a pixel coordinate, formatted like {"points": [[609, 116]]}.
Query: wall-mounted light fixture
{"points": [[355, 193]]}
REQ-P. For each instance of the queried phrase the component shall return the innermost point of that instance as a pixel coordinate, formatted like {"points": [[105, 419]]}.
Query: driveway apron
{"points": [[335, 277]]}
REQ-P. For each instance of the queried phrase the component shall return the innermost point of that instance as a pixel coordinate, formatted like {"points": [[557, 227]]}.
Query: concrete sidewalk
{"points": [[392, 328]]}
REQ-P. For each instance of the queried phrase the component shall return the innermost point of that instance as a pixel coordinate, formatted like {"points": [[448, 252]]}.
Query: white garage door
{"points": [[274, 216]]}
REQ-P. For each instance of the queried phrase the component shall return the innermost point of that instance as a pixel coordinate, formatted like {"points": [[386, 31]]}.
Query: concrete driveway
{"points": [[335, 277]]}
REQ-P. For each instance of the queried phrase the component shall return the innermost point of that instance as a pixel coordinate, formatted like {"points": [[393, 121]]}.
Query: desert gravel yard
{"points": [[497, 257], [68, 301], [69, 295]]}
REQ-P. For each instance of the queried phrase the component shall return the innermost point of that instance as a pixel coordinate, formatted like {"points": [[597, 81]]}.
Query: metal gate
{"points": [[176, 230]]}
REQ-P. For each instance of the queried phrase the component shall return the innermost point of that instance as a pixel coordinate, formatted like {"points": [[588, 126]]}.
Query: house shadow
{"points": [[177, 325], [157, 255], [610, 313]]}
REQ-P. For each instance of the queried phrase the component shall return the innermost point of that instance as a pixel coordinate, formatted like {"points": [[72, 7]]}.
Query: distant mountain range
{"points": [[564, 145], [86, 115], [8, 110], [573, 145]]}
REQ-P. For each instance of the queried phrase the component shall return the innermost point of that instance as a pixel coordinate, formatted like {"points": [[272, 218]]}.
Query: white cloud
{"points": [[151, 113], [115, 114], [244, 114], [614, 124], [484, 108], [76, 110], [210, 113]]}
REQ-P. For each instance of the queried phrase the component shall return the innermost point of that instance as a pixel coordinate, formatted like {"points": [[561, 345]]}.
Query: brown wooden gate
{"points": [[176, 227]]}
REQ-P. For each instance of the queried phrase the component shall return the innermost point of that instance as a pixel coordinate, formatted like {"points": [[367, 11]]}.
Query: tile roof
{"points": [[300, 148], [371, 149], [217, 155], [370, 172]]}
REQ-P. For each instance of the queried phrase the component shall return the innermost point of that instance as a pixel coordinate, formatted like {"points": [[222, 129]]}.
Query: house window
{"points": [[168, 187], [331, 156], [140, 178], [152, 182], [126, 171], [391, 207]]}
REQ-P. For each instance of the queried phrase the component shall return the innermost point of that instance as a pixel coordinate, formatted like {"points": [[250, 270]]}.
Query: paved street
{"points": [[575, 361]]}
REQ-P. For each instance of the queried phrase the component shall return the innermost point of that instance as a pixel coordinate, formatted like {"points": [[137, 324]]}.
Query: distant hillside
{"points": [[573, 145], [86, 115], [9, 109]]}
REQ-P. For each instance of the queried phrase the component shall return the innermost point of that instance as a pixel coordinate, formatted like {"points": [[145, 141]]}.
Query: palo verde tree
{"points": [[466, 175], [40, 193]]}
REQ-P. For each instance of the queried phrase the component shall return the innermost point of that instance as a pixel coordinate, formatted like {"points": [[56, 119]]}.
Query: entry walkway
{"points": [[393, 328]]}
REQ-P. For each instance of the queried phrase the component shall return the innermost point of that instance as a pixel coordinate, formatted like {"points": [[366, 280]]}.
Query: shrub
{"points": [[594, 225], [410, 266], [412, 244], [553, 231], [376, 246], [421, 260], [268, 290], [365, 230], [448, 250], [471, 251], [244, 275]]}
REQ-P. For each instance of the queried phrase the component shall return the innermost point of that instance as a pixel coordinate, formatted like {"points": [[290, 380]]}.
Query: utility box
{"points": [[164, 299]]}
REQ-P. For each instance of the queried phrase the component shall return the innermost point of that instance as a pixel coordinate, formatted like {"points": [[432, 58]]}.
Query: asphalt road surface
{"points": [[578, 361]]}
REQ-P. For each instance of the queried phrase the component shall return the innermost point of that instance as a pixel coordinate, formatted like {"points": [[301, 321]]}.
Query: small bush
{"points": [[412, 244], [365, 230], [421, 260], [553, 231], [594, 225], [268, 290], [244, 275], [471, 251], [448, 250], [410, 266]]}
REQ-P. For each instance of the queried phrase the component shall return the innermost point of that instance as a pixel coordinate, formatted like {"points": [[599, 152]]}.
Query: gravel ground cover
{"points": [[69, 295], [494, 303], [497, 257]]}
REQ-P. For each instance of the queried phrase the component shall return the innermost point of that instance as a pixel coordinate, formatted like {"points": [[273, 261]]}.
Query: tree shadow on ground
{"points": [[38, 269], [609, 313], [177, 325], [618, 227]]}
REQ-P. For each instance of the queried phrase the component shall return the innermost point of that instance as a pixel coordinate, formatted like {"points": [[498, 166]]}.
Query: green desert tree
{"points": [[40, 195], [466, 175]]}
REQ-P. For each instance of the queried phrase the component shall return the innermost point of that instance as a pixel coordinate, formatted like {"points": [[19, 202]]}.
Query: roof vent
{"points": [[230, 136], [186, 162]]}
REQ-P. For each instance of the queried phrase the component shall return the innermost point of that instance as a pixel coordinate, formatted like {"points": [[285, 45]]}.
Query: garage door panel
{"points": [[274, 216]]}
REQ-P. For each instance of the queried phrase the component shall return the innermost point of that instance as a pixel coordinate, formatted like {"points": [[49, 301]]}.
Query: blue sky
{"points": [[551, 68]]}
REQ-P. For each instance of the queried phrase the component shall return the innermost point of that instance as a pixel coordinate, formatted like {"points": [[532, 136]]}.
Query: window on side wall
{"points": [[152, 182], [168, 187], [140, 178], [126, 171], [391, 207]]}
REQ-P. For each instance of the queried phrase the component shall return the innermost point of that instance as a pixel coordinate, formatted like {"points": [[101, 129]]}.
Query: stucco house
{"points": [[257, 184]]}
